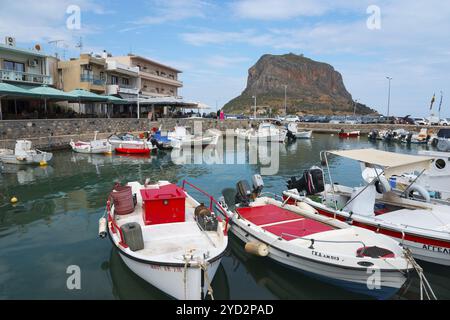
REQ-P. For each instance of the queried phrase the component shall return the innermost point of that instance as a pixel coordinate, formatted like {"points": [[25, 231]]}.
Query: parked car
{"points": [[432, 120], [444, 122], [406, 120], [420, 122], [292, 119]]}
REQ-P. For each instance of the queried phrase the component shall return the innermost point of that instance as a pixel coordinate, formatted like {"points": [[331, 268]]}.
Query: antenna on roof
{"points": [[80, 45], [55, 42]]}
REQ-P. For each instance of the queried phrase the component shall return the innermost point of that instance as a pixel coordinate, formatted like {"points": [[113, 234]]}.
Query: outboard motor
{"points": [[373, 135], [205, 218], [290, 136], [245, 194], [311, 182], [409, 137]]}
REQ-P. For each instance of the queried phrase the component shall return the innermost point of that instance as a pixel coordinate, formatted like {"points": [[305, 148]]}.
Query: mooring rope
{"points": [[424, 284]]}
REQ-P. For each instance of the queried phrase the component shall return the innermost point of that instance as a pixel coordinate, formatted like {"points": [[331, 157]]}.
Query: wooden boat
{"points": [[421, 226], [265, 132], [321, 247], [180, 138], [166, 237], [24, 154], [129, 144], [92, 147], [293, 132]]}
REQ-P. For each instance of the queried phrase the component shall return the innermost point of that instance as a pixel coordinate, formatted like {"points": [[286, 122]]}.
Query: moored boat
{"points": [[322, 247], [421, 226], [127, 143], [351, 134], [266, 132], [166, 237], [24, 154], [92, 147], [293, 132]]}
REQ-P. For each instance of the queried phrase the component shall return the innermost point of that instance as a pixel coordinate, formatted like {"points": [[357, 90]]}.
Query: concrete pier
{"points": [[56, 134]]}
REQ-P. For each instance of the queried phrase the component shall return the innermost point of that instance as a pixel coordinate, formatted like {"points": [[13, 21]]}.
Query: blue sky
{"points": [[215, 42]]}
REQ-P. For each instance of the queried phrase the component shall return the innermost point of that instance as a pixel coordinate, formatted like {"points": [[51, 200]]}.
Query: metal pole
{"points": [[254, 97], [285, 98], [138, 106], [389, 95]]}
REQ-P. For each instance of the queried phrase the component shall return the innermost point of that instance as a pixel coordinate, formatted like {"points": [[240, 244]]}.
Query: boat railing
{"points": [[324, 241], [212, 202]]}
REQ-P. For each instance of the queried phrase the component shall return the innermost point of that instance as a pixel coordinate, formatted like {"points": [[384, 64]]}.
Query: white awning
{"points": [[392, 163]]}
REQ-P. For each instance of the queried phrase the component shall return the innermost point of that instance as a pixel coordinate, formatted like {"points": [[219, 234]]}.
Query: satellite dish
{"points": [[37, 47]]}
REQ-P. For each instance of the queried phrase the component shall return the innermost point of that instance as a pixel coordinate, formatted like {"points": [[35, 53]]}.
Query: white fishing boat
{"points": [[166, 237], [420, 225], [293, 132], [180, 138], [443, 140], [24, 154], [297, 237], [265, 132], [93, 147], [417, 138]]}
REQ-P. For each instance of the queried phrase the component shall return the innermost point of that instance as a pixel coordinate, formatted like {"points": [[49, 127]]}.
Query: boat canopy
{"points": [[392, 163]]}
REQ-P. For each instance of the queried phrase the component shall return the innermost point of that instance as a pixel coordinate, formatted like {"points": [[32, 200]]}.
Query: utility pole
{"points": [[389, 95]]}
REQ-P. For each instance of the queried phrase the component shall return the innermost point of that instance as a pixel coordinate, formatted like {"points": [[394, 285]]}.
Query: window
{"points": [[126, 81], [14, 66], [440, 163], [114, 80]]}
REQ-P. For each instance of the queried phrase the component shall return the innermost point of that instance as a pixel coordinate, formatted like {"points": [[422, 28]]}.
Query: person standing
{"points": [[222, 115]]}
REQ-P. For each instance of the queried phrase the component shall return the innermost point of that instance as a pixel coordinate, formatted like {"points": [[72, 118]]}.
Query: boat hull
{"points": [[171, 279], [355, 280], [133, 150], [35, 159]]}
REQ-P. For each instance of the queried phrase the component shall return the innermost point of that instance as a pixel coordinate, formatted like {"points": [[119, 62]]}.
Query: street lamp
{"points": [[389, 95], [285, 98], [354, 107], [254, 97]]}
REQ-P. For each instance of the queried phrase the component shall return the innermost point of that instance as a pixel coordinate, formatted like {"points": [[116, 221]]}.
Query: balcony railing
{"points": [[94, 80], [12, 75]]}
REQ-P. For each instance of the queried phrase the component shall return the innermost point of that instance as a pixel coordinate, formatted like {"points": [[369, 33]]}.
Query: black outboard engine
{"points": [[311, 182], [409, 137], [245, 194], [373, 135]]}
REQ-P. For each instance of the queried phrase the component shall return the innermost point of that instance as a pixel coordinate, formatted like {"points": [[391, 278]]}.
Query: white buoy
{"points": [[257, 248], [102, 227]]}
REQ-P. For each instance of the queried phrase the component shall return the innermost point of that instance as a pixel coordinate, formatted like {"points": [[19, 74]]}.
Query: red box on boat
{"points": [[163, 205]]}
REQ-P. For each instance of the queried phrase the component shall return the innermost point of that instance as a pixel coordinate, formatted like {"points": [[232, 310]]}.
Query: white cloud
{"points": [[163, 11], [41, 21], [219, 61]]}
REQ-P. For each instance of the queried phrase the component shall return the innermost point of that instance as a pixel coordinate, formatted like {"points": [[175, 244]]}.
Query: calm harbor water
{"points": [[54, 225]]}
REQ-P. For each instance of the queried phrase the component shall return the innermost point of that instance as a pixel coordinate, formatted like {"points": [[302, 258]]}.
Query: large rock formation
{"points": [[312, 88]]}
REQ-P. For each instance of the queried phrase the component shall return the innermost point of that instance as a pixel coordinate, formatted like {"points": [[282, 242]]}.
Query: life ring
{"points": [[420, 190], [381, 184]]}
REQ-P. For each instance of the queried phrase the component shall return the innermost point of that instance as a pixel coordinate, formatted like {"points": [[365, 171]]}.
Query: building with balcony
{"points": [[122, 80], [87, 72], [27, 68], [155, 79]]}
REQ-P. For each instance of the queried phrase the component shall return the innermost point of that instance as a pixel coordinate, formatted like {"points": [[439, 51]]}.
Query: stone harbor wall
{"points": [[56, 134]]}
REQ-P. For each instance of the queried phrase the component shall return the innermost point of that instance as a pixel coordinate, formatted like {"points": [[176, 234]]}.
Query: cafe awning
{"points": [[50, 93], [87, 96], [10, 90], [116, 100]]}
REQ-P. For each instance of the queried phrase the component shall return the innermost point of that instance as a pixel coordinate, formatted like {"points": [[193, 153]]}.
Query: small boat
{"points": [[420, 225], [92, 147], [266, 132], [129, 144], [23, 154], [373, 135], [351, 134], [325, 248], [166, 237], [294, 133], [420, 138], [180, 138]]}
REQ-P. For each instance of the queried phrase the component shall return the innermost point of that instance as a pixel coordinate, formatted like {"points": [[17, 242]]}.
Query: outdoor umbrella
{"points": [[10, 90], [87, 96], [115, 100], [49, 93]]}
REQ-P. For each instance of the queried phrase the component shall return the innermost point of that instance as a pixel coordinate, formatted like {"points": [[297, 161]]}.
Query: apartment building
{"points": [[87, 72], [24, 67], [155, 79], [122, 80]]}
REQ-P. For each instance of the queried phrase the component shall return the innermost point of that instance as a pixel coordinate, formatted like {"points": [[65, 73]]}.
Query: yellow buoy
{"points": [[108, 153], [257, 248], [14, 200], [43, 163]]}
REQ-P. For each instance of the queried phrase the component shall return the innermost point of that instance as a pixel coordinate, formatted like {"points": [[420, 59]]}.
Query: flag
{"points": [[440, 103], [432, 101]]}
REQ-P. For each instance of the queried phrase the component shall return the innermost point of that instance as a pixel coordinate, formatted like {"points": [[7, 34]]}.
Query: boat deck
{"points": [[281, 222]]}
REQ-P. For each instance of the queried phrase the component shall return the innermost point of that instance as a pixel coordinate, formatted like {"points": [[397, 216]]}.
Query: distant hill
{"points": [[312, 88]]}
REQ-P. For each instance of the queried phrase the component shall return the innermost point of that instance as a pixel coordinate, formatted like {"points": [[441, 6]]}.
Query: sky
{"points": [[214, 43]]}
